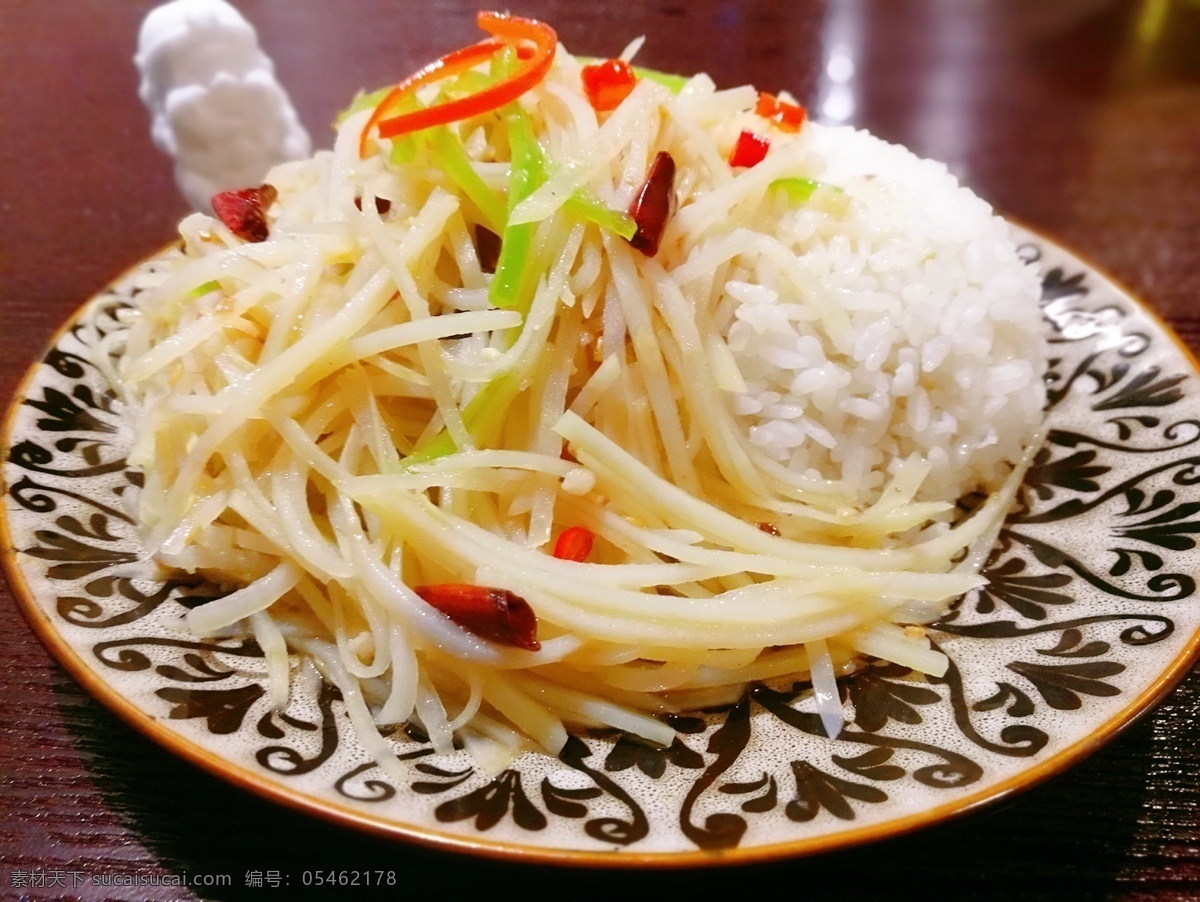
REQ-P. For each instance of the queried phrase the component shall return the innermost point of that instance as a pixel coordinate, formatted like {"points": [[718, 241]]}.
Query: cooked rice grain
{"points": [[939, 351]]}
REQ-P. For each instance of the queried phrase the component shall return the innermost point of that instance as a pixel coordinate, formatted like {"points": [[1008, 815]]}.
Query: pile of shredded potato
{"points": [[340, 426]]}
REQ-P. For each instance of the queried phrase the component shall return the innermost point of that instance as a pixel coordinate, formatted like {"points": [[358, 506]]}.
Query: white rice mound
{"points": [[939, 354]]}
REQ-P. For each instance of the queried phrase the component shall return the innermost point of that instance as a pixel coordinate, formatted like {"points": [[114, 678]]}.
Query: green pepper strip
{"points": [[590, 208], [363, 100], [799, 190], [667, 79], [504, 63], [451, 156], [482, 417], [512, 283], [404, 148], [466, 83]]}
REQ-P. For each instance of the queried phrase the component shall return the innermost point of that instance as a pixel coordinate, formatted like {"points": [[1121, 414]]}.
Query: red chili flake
{"points": [[607, 83], [652, 206], [244, 211], [485, 611], [487, 248], [749, 150], [574, 544], [769, 528], [788, 117]]}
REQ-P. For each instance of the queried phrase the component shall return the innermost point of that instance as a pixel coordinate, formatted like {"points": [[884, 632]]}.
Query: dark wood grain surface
{"points": [[1080, 118]]}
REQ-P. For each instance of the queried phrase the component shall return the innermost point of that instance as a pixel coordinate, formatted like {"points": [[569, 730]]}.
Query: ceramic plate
{"points": [[1090, 615]]}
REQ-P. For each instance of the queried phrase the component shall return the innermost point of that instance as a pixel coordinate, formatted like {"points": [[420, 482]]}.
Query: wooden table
{"points": [[1080, 118]]}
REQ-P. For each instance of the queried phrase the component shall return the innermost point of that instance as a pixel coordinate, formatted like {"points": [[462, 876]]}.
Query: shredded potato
{"points": [[336, 416]]}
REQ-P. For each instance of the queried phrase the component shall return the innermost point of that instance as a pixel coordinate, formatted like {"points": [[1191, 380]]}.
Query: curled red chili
{"points": [[451, 64], [244, 212], [490, 613], [574, 544], [652, 206], [749, 150], [536, 43]]}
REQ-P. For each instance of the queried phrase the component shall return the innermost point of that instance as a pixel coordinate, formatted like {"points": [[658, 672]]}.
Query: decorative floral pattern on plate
{"points": [[1089, 614]]}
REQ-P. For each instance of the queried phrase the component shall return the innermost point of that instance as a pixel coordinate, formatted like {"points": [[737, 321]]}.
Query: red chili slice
{"points": [[652, 206], [749, 150], [244, 211], [536, 43], [788, 117], [607, 83], [490, 613], [451, 64], [574, 544]]}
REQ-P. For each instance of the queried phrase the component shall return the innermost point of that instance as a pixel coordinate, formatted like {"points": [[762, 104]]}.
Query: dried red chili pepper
{"points": [[607, 83], [244, 211], [487, 248], [769, 528], [788, 117], [574, 544], [749, 150], [490, 613], [652, 206]]}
